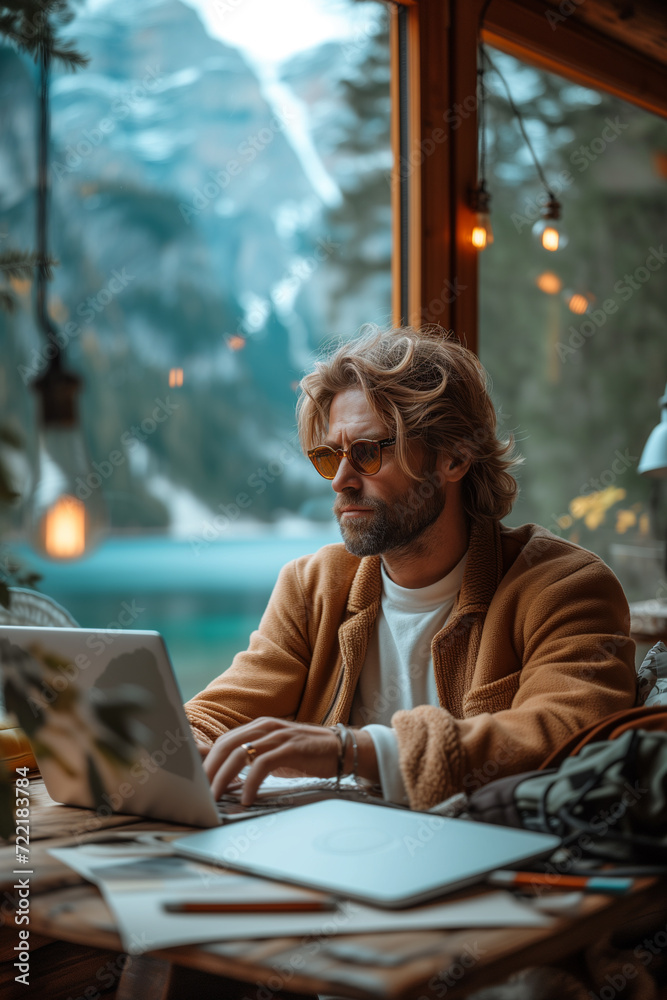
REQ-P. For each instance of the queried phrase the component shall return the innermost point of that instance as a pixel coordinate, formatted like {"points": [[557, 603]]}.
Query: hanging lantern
{"points": [[482, 233], [548, 230], [67, 513]]}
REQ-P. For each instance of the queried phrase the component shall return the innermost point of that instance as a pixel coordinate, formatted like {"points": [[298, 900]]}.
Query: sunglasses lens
{"points": [[325, 461], [366, 456]]}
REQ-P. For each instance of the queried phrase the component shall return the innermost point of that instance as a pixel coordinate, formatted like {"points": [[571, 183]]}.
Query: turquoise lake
{"points": [[205, 603]]}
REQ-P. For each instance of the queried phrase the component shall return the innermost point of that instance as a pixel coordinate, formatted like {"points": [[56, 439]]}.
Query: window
{"points": [[574, 340], [221, 208]]}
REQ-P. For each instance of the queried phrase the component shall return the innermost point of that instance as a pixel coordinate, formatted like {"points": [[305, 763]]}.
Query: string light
{"points": [[549, 283], [577, 303], [547, 229]]}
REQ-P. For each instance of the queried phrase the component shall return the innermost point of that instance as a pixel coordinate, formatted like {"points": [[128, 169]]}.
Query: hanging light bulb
{"points": [[549, 283], [67, 515], [482, 233], [548, 229], [577, 302]]}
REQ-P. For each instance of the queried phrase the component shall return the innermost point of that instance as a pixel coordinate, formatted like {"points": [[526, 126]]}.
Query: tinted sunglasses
{"points": [[364, 456]]}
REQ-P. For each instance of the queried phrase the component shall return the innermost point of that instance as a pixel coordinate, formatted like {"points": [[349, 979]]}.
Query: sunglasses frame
{"points": [[342, 453]]}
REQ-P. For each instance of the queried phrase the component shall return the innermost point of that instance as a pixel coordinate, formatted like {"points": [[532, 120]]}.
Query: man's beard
{"points": [[394, 525]]}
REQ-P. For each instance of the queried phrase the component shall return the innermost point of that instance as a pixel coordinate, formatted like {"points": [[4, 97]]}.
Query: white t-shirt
{"points": [[398, 669]]}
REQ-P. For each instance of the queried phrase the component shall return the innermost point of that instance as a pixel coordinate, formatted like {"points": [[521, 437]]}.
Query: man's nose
{"points": [[346, 477]]}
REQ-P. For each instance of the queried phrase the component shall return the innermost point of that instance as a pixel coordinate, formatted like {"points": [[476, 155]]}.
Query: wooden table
{"points": [[426, 964]]}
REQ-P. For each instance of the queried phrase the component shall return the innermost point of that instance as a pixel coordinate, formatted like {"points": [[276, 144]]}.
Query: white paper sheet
{"points": [[137, 892]]}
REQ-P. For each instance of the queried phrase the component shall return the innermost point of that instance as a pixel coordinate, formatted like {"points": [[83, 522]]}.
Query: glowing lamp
{"points": [[577, 303], [550, 238], [67, 515], [548, 229], [482, 233], [64, 526], [549, 283]]}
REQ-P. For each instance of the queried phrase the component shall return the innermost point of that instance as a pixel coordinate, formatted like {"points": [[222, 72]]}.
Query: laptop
{"points": [[113, 736], [386, 857]]}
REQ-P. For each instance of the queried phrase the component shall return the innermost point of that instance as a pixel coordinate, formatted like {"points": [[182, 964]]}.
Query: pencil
{"points": [[589, 883], [293, 906]]}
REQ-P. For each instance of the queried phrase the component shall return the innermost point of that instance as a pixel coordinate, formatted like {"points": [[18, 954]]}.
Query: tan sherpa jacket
{"points": [[536, 646]]}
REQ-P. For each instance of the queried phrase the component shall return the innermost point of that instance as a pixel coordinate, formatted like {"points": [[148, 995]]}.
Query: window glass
{"points": [[220, 211], [575, 339]]}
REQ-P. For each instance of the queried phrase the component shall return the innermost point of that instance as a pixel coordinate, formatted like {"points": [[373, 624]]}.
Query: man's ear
{"points": [[454, 467]]}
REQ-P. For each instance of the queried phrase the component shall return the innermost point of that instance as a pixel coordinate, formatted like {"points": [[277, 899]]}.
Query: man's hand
{"points": [[309, 750]]}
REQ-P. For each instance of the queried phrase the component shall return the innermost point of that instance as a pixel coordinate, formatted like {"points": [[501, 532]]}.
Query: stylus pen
{"points": [[295, 906], [589, 884]]}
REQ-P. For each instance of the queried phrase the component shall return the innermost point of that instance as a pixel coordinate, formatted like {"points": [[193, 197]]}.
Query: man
{"points": [[458, 649]]}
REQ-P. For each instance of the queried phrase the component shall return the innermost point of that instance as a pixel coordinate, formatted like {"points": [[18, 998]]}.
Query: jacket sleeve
{"points": [[266, 679], [577, 668]]}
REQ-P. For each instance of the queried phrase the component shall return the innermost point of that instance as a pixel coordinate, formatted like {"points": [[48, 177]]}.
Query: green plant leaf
{"points": [[95, 783], [21, 263], [31, 720], [7, 301], [10, 437]]}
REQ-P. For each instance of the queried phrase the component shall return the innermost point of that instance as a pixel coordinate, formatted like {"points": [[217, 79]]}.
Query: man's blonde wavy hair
{"points": [[422, 385]]}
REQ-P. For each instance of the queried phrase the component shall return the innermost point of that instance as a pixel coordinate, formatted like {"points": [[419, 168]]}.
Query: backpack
{"points": [[609, 797]]}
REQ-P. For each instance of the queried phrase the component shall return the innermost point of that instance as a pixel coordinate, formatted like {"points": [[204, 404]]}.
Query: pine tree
{"points": [[32, 27]]}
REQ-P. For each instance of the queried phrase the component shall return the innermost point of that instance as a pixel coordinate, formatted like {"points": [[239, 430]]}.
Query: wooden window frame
{"points": [[434, 134]]}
